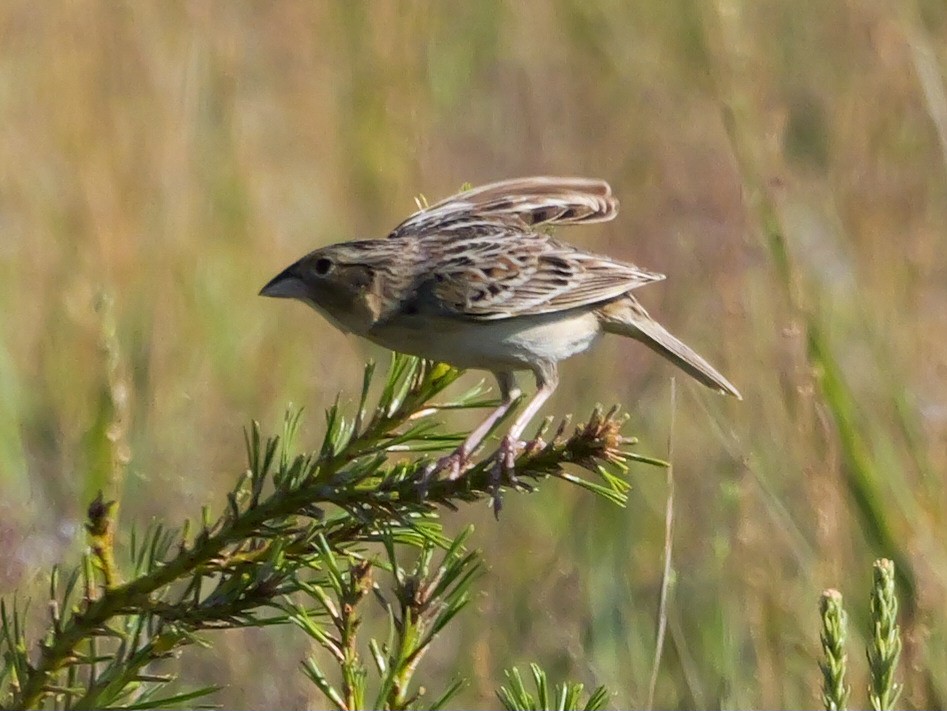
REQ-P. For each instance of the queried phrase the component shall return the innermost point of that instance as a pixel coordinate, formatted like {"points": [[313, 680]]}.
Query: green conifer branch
{"points": [[287, 517]]}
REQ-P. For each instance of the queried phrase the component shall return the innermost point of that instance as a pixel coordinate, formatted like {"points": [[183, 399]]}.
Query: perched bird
{"points": [[475, 281]]}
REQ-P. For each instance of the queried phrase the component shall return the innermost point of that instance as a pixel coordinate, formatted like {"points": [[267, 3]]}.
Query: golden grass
{"points": [[784, 163]]}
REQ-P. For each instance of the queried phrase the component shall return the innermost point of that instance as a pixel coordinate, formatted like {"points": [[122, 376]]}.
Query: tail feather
{"points": [[628, 318]]}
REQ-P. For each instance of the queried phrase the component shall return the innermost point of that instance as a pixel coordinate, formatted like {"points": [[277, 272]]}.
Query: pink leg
{"points": [[509, 392], [456, 462], [547, 379]]}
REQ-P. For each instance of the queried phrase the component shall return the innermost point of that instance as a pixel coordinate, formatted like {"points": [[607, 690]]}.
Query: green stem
{"points": [[596, 443]]}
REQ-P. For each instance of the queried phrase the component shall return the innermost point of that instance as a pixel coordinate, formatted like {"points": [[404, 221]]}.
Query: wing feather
{"points": [[491, 278], [521, 203]]}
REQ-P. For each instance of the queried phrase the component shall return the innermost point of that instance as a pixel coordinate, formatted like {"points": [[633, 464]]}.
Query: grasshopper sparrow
{"points": [[474, 281]]}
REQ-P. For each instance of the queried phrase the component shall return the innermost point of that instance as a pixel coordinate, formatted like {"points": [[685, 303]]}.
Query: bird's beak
{"points": [[288, 284]]}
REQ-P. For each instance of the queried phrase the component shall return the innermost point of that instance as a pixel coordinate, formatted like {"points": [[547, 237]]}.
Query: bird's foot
{"points": [[503, 470], [534, 445], [453, 465]]}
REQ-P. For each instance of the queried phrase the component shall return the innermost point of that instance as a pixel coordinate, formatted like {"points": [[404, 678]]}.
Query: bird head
{"points": [[339, 281]]}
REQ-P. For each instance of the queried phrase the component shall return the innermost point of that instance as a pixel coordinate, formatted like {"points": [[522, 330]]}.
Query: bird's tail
{"points": [[626, 317]]}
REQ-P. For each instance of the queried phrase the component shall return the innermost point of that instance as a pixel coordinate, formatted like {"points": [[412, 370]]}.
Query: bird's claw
{"points": [[503, 470], [454, 464], [534, 445]]}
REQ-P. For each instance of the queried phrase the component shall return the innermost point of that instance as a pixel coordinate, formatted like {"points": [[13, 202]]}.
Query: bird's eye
{"points": [[322, 266]]}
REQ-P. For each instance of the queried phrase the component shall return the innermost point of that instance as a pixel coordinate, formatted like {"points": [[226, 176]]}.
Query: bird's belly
{"points": [[515, 343]]}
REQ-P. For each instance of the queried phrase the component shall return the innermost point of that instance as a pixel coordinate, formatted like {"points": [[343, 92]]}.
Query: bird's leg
{"points": [[456, 462], [547, 379]]}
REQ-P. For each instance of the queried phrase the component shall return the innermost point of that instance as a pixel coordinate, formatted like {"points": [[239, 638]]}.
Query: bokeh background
{"points": [[783, 162]]}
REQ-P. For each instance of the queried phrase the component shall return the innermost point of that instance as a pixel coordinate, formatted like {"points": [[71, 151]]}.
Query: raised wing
{"points": [[521, 204], [487, 278]]}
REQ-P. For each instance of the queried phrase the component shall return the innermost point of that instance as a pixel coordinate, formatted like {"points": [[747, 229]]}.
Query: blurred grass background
{"points": [[785, 163]]}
